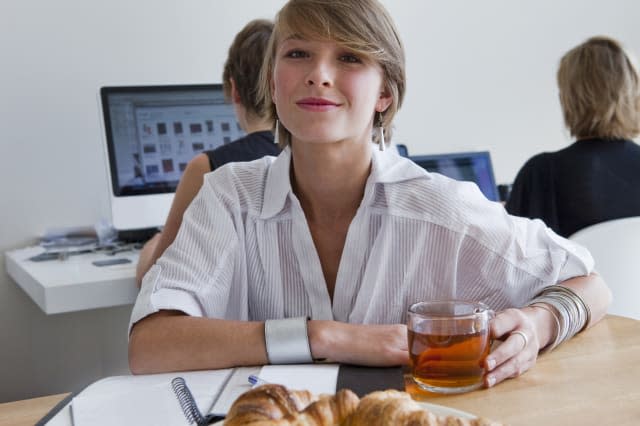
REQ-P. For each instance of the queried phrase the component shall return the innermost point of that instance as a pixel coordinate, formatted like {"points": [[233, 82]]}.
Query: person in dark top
{"points": [[251, 147], [240, 80], [597, 178]]}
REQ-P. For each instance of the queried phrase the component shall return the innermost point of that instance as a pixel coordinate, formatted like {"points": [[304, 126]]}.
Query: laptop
{"points": [[467, 166], [151, 133]]}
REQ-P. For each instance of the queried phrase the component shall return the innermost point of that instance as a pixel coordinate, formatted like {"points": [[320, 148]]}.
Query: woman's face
{"points": [[325, 93]]}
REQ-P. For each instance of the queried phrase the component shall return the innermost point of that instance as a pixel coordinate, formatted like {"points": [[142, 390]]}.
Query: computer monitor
{"points": [[469, 166], [151, 133]]}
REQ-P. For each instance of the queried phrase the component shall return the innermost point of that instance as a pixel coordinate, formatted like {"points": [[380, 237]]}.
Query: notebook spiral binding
{"points": [[189, 406]]}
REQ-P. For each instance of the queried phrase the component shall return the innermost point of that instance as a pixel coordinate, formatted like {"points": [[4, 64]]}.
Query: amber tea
{"points": [[448, 344], [448, 361]]}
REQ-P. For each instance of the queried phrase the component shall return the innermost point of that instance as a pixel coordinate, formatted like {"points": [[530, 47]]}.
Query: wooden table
{"points": [[592, 380], [29, 411]]}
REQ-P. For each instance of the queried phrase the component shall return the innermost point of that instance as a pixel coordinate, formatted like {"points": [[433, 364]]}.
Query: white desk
{"points": [[74, 284]]}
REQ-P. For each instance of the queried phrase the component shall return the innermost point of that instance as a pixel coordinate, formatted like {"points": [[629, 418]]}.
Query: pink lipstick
{"points": [[317, 104]]}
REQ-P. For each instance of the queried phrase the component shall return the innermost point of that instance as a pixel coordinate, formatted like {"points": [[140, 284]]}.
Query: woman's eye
{"points": [[296, 54], [350, 58]]}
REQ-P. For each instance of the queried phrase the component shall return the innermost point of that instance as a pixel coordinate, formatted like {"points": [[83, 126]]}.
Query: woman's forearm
{"points": [[373, 345], [591, 289], [171, 341], [594, 292]]}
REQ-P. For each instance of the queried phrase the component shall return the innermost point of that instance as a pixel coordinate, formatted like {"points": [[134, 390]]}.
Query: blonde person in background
{"points": [[343, 231], [597, 178], [240, 81]]}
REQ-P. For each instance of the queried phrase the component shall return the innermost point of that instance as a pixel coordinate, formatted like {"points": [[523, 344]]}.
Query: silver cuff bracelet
{"points": [[287, 341]]}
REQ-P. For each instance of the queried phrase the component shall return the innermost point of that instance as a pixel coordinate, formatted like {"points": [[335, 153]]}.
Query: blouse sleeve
{"points": [[507, 260], [196, 272]]}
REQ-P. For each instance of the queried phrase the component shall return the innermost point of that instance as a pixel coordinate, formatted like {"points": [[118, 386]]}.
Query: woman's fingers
{"points": [[522, 335], [512, 346], [512, 367], [519, 350]]}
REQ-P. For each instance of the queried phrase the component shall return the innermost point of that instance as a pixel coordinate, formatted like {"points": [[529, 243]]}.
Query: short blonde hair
{"points": [[363, 26], [600, 90]]}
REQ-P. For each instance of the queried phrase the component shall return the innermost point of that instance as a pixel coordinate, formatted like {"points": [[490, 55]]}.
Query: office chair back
{"points": [[615, 246]]}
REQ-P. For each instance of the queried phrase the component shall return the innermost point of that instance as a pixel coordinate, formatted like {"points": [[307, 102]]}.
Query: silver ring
{"points": [[523, 335]]}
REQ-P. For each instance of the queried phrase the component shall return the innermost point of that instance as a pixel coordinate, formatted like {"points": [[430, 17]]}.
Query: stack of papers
{"points": [[316, 378]]}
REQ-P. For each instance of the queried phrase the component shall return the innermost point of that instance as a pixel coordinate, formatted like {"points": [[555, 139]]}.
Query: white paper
{"points": [[316, 378], [237, 385], [143, 400], [153, 405]]}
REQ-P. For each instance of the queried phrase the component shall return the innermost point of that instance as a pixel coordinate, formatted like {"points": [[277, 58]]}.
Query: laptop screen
{"points": [[153, 131], [468, 166]]}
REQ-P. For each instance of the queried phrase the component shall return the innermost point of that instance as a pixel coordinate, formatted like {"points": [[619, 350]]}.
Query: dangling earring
{"points": [[381, 142], [276, 133]]}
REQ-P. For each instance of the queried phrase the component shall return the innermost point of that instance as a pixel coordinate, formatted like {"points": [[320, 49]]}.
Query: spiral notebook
{"points": [[143, 400]]}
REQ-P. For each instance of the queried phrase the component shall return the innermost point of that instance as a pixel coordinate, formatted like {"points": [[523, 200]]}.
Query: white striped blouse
{"points": [[244, 250]]}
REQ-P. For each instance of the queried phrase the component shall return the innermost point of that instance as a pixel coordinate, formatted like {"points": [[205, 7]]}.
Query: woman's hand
{"points": [[373, 345], [519, 350]]}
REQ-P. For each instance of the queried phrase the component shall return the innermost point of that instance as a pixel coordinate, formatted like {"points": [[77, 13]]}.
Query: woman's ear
{"points": [[384, 100], [235, 96]]}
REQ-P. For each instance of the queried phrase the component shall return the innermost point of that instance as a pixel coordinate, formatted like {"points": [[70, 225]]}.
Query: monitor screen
{"points": [[469, 166], [151, 133]]}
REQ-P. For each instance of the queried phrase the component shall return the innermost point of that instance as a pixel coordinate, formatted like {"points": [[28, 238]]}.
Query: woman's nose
{"points": [[320, 74]]}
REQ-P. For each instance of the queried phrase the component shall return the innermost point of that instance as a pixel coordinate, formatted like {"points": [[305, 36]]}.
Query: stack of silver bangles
{"points": [[569, 311]]}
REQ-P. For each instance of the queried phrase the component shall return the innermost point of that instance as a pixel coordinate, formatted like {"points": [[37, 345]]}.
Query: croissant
{"points": [[328, 410], [275, 405], [392, 407]]}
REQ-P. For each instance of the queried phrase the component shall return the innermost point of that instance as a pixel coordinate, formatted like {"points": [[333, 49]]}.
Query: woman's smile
{"points": [[318, 104]]}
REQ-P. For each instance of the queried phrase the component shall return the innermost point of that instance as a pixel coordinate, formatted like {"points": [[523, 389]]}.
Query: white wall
{"points": [[481, 75]]}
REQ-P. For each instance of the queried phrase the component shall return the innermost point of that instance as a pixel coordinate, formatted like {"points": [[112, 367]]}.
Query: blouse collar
{"points": [[387, 167]]}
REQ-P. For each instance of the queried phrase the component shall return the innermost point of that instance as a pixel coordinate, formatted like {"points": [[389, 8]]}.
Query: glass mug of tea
{"points": [[449, 341]]}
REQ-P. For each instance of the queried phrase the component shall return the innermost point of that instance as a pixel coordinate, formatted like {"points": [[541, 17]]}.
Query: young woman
{"points": [[337, 231], [596, 178]]}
